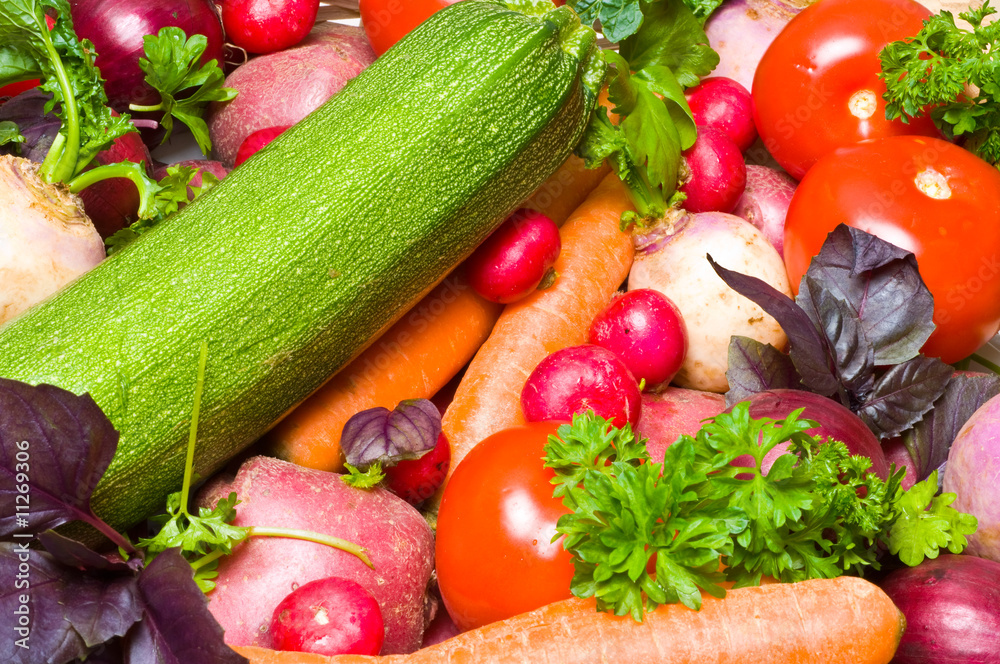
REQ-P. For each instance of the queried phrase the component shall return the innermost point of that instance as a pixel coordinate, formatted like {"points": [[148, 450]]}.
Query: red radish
{"points": [[723, 103], [416, 480], [952, 609], [265, 26], [644, 328], [329, 616], [716, 172], [765, 202], [514, 260], [255, 141], [581, 378], [835, 423]]}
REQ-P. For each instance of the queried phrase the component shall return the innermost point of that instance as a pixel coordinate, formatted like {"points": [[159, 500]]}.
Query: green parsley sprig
{"points": [[816, 513], [951, 74]]}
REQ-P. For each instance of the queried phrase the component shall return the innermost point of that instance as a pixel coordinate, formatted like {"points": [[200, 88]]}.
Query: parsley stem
{"points": [[64, 167], [319, 538], [206, 559], [145, 109], [129, 170], [189, 461]]}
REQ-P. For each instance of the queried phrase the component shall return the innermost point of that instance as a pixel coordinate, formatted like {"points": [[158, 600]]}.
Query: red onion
{"points": [[952, 609], [117, 27], [765, 201], [741, 30], [835, 422]]}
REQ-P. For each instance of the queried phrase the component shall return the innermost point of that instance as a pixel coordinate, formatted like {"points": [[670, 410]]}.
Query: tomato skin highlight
{"points": [[494, 554], [955, 236], [827, 54], [387, 21]]}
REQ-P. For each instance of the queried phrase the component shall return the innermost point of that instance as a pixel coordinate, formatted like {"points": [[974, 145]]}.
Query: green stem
{"points": [[52, 156], [141, 108], [64, 167], [319, 538], [979, 359], [126, 169], [193, 432], [206, 559]]}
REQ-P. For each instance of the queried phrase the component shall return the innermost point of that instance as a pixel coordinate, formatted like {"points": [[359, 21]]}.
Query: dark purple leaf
{"points": [[807, 350], [106, 653], [755, 367], [66, 443], [930, 439], [68, 611], [74, 554], [378, 434], [854, 357], [177, 627], [882, 288], [903, 394], [27, 111]]}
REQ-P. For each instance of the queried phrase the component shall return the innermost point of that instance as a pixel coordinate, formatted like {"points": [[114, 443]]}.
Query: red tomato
{"points": [[494, 553], [923, 194], [817, 86], [388, 21]]}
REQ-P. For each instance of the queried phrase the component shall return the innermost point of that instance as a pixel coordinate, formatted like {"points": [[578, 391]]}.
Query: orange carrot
{"points": [[413, 359], [846, 620], [565, 189], [595, 259]]}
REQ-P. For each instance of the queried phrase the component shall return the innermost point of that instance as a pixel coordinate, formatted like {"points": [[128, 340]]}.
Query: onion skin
{"points": [[952, 609], [836, 422], [765, 201], [116, 27]]}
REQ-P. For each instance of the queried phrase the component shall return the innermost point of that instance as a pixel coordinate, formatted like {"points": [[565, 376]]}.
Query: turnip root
{"points": [[672, 260], [263, 570], [765, 201], [46, 240], [674, 412], [972, 472], [279, 89]]}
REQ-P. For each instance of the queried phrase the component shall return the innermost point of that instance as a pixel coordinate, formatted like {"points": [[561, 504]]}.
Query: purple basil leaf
{"points": [[807, 350], [903, 394], [69, 611], [930, 439], [71, 553], [106, 653], [177, 627], [67, 443], [378, 434], [853, 354], [755, 367], [880, 284]]}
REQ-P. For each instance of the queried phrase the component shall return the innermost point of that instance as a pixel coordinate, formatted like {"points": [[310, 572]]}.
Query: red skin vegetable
{"points": [[255, 142], [645, 329], [265, 26], [674, 412], [581, 378], [514, 260], [416, 480], [723, 103], [718, 174], [329, 616]]}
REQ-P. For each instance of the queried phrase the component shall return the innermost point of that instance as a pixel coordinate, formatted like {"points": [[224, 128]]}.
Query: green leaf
{"points": [[703, 8], [9, 133], [366, 479], [619, 18], [672, 37], [927, 523]]}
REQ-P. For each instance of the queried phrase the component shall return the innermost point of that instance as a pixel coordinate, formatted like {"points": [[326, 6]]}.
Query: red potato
{"points": [[765, 201], [331, 616], [279, 89], [261, 571], [674, 412]]}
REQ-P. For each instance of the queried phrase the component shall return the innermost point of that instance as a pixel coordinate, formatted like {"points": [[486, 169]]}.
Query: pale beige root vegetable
{"points": [[46, 239], [263, 570], [672, 259]]}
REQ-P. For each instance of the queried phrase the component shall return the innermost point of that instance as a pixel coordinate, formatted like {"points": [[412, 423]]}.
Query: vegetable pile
{"points": [[487, 326]]}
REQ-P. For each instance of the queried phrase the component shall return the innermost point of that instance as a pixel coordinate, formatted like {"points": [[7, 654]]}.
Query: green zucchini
{"points": [[300, 257]]}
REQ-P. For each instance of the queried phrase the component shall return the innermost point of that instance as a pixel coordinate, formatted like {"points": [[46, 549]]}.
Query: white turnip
{"points": [[46, 239], [716, 175], [765, 202], [672, 259]]}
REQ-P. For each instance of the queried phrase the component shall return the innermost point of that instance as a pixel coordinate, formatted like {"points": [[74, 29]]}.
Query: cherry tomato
{"points": [[927, 196], [494, 553], [388, 21], [817, 86]]}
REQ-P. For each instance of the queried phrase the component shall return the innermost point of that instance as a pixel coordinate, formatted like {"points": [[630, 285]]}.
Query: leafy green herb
{"points": [[951, 74], [816, 512], [363, 479], [703, 8], [172, 69], [621, 19], [9, 133], [646, 82]]}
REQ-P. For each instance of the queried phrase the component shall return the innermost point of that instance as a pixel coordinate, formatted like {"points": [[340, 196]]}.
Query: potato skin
{"points": [[674, 412], [263, 570], [712, 311]]}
